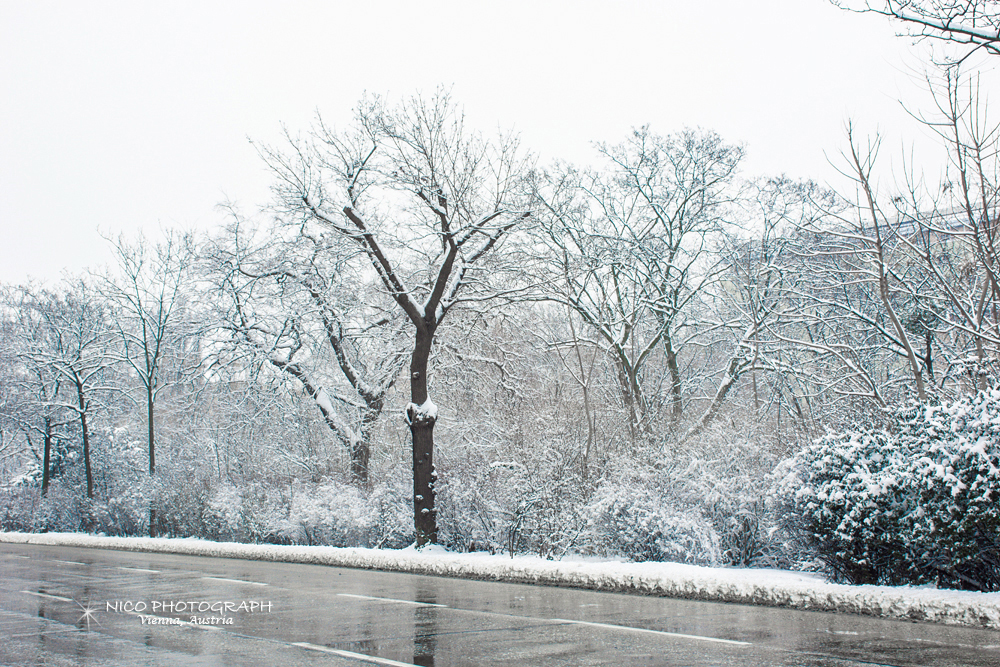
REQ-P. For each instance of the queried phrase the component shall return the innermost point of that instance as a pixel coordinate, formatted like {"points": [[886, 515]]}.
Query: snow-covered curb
{"points": [[775, 588]]}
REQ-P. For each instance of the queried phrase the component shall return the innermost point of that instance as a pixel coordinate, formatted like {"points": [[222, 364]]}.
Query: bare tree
{"points": [[872, 231], [31, 409], [29, 391], [69, 349], [630, 247], [899, 291], [150, 292], [745, 304], [974, 23], [950, 233], [428, 203], [845, 303], [289, 293], [885, 273]]}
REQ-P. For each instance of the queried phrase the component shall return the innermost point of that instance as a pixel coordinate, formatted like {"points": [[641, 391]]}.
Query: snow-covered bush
{"points": [[915, 503], [334, 513], [337, 514], [331, 513], [123, 514], [63, 509], [641, 522], [525, 502], [393, 509], [19, 508], [954, 467], [255, 513], [224, 514], [729, 482], [845, 495], [473, 497], [264, 511], [743, 533]]}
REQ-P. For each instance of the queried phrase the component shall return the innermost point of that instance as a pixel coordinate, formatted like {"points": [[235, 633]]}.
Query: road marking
{"points": [[939, 643], [45, 633], [235, 581], [356, 656], [138, 569], [67, 562], [608, 626], [368, 597], [46, 595]]}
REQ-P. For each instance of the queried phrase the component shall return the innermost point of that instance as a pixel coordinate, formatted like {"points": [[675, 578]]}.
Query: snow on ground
{"points": [[778, 588]]}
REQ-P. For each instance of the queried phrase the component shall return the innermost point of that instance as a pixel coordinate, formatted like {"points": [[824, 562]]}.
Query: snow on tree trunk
{"points": [[421, 414]]}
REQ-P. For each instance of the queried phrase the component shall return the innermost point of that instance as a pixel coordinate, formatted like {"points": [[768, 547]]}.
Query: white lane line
{"points": [[939, 643], [138, 569], [235, 581], [608, 626], [67, 562], [355, 656], [46, 595], [369, 597]]}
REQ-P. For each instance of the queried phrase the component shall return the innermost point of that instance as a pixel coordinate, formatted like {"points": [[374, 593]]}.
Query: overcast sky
{"points": [[128, 116]]}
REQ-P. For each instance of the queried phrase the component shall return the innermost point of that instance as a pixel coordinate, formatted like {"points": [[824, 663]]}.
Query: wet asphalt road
{"points": [[289, 615]]}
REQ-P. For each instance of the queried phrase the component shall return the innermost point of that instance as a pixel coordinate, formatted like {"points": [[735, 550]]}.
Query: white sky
{"points": [[127, 116]]}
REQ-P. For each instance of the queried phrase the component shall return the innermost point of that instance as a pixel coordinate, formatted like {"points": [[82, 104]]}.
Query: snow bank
{"points": [[776, 588]]}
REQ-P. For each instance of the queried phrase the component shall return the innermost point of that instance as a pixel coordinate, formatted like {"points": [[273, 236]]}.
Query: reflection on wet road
{"points": [[66, 606]]}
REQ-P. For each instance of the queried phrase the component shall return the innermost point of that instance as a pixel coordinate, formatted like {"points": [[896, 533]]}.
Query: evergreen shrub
{"points": [[916, 502]]}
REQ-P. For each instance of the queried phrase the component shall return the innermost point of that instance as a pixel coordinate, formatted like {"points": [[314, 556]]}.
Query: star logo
{"points": [[88, 614]]}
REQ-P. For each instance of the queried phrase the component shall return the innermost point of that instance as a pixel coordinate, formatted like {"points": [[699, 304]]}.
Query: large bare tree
{"points": [[428, 203]]}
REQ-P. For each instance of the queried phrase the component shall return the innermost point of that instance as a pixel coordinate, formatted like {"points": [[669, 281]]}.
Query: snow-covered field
{"points": [[747, 586]]}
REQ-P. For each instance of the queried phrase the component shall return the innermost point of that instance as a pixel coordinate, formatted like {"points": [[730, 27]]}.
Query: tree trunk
{"points": [[152, 455], [632, 397], [86, 441], [736, 366], [421, 416], [361, 450], [628, 399], [149, 429], [46, 456], [585, 386], [675, 380], [928, 356]]}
